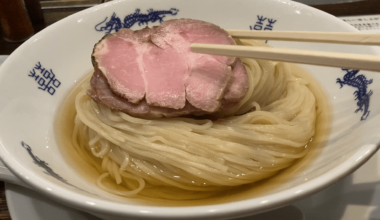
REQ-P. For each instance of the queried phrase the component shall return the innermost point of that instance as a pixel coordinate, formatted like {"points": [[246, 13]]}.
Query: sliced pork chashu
{"points": [[155, 66]]}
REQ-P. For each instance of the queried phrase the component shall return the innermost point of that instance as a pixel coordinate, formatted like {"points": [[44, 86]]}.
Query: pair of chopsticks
{"points": [[342, 60]]}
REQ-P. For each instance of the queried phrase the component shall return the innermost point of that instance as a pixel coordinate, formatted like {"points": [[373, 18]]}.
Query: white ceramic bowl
{"points": [[29, 107]]}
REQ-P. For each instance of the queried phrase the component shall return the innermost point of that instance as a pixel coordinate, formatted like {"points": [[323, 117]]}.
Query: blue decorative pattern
{"points": [[361, 83], [46, 167], [45, 79], [114, 23], [260, 24]]}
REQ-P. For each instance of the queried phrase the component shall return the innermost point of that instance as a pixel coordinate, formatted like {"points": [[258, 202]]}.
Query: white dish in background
{"points": [[65, 48], [356, 197], [27, 204]]}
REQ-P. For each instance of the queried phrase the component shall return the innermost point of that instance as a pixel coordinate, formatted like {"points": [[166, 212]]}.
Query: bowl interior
{"points": [[38, 77]]}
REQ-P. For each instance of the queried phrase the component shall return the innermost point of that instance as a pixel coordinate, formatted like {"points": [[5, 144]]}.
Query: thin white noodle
{"points": [[117, 192]]}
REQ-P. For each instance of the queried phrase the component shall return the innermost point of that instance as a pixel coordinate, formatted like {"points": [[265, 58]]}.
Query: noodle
{"points": [[195, 158]]}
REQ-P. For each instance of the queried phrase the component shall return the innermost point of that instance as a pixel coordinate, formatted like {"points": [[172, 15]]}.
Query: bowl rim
{"points": [[225, 210]]}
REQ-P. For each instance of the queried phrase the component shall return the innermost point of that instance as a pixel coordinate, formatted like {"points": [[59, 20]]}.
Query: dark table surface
{"points": [[364, 7]]}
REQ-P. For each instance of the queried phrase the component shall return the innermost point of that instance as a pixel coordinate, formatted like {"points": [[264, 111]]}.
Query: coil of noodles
{"points": [[192, 158]]}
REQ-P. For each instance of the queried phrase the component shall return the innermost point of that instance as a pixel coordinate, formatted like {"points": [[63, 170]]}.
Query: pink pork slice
{"points": [[102, 93], [138, 68], [239, 86], [164, 73], [181, 33], [117, 56], [209, 75], [206, 83], [142, 35]]}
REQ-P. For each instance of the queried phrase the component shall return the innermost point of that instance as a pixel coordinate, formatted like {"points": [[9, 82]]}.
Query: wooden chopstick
{"points": [[303, 36], [342, 60]]}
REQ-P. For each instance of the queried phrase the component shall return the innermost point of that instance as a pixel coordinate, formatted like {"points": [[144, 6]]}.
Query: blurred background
{"points": [[42, 13], [319, 2], [54, 10]]}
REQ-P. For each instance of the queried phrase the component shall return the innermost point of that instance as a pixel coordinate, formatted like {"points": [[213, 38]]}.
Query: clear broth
{"points": [[281, 181]]}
